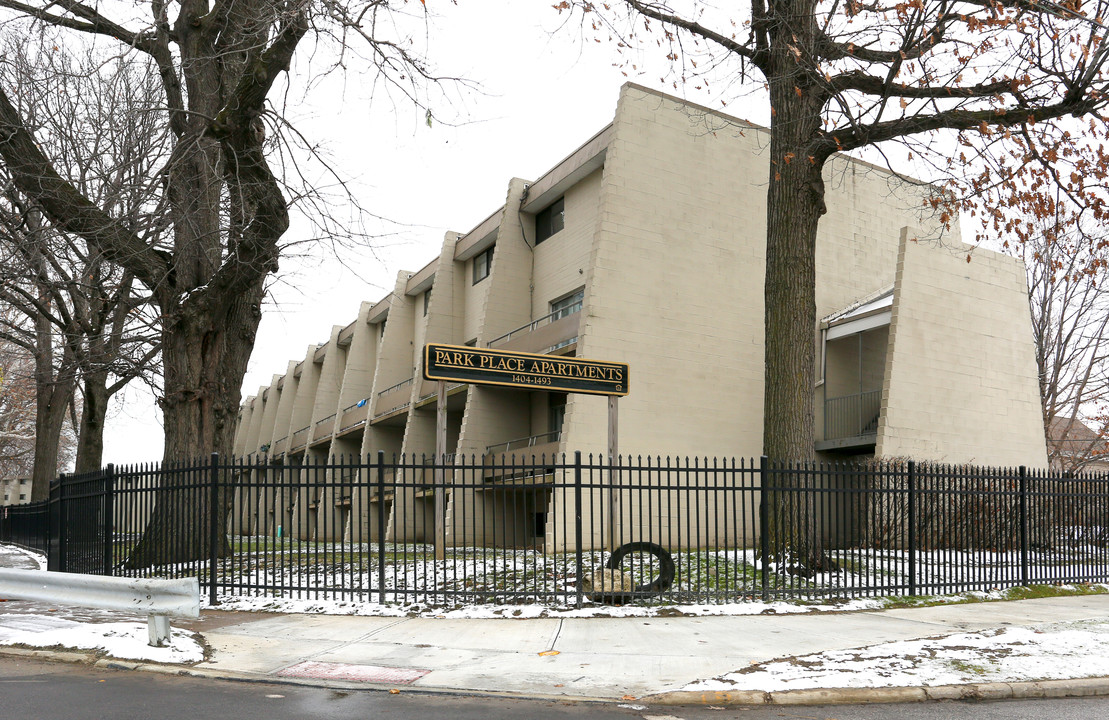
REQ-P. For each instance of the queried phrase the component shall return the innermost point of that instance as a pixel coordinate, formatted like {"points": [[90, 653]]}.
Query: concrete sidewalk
{"points": [[649, 660]]}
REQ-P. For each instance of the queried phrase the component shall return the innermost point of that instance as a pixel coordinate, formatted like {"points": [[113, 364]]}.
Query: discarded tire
{"points": [[661, 583]]}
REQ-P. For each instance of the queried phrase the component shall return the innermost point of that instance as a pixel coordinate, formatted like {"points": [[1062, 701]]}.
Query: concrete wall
{"points": [[674, 284], [961, 381]]}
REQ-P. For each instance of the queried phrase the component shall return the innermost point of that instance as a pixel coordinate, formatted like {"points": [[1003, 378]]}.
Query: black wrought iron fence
{"points": [[569, 531]]}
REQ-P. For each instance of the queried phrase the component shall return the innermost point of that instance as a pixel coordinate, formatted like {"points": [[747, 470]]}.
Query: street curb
{"points": [[93, 659], [1078, 687], [1039, 689]]}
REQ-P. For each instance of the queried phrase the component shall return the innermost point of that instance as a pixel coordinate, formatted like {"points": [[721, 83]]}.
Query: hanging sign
{"points": [[529, 371]]}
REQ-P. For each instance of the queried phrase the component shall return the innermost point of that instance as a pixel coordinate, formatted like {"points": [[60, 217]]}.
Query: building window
{"points": [[427, 301], [382, 329], [483, 263], [550, 221], [567, 305]]}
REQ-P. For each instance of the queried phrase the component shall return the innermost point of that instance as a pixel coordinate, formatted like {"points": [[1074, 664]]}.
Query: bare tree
{"points": [[223, 212], [101, 141], [1003, 81], [1069, 304], [17, 405]]}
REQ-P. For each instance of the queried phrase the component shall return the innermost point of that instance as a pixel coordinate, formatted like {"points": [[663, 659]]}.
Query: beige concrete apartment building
{"points": [[646, 246]]}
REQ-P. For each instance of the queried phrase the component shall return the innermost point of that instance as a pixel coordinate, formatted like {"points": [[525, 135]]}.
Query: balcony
{"points": [[354, 416], [549, 333], [393, 399], [851, 421], [300, 439], [523, 449], [323, 428], [278, 447], [429, 391]]}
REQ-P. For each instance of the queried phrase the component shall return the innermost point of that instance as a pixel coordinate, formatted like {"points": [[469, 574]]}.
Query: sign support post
{"points": [[523, 371], [440, 471], [613, 473]]}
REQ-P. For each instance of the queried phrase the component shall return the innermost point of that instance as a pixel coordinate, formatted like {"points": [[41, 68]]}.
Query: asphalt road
{"points": [[36, 690]]}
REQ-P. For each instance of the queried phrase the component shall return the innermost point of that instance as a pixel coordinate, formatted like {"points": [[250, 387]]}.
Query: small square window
{"points": [[550, 221], [483, 263]]}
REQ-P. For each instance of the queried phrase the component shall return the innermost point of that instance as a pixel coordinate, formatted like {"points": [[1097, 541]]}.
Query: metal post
{"points": [[213, 534], [440, 471], [1023, 525], [109, 501], [911, 527], [613, 450], [381, 526], [577, 525], [764, 528]]}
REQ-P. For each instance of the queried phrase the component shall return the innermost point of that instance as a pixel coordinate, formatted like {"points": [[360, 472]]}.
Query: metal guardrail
{"points": [[159, 598]]}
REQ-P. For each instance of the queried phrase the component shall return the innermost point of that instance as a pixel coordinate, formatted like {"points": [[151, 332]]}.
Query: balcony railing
{"points": [[323, 427], [300, 439], [550, 331], [392, 399], [526, 443], [431, 383], [852, 415], [398, 386], [353, 415]]}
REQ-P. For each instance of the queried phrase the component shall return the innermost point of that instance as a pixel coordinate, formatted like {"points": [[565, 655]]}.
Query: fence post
{"points": [[55, 528], [911, 529], [764, 528], [109, 503], [381, 524], [1023, 525], [577, 525], [213, 529]]}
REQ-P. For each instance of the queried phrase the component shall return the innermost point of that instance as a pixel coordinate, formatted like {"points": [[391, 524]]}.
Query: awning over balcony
{"points": [[866, 314]]}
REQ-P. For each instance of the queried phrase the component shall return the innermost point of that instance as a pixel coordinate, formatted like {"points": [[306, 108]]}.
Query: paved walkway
{"points": [[649, 659]]}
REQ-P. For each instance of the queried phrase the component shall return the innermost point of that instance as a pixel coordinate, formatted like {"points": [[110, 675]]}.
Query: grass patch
{"points": [[1029, 592]]}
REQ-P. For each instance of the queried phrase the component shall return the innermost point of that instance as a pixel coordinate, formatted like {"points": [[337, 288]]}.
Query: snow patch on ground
{"points": [[370, 609], [1049, 652], [17, 557], [122, 640]]}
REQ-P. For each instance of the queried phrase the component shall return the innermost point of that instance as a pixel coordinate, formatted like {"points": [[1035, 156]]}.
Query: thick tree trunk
{"points": [[204, 365], [795, 202], [94, 410], [54, 388]]}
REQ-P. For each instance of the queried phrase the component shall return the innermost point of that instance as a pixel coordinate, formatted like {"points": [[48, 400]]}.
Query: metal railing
{"points": [[361, 402], [852, 415], [527, 442], [449, 386], [398, 386], [300, 439], [683, 531], [536, 324]]}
